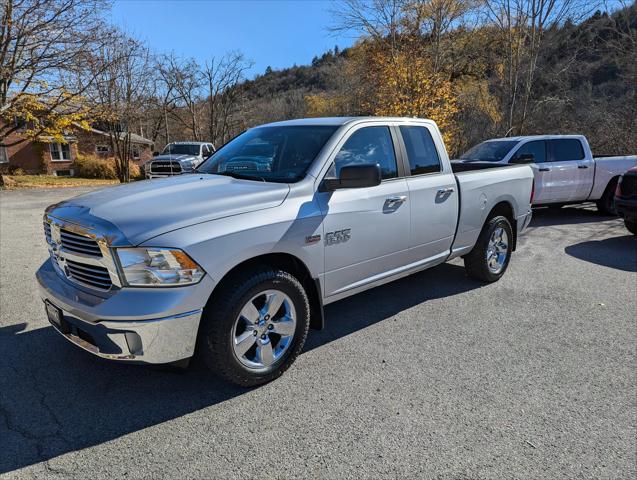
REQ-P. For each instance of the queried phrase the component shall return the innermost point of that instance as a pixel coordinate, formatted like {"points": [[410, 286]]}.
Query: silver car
{"points": [[240, 257]]}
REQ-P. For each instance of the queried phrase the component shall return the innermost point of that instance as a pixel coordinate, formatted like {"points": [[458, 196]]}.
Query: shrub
{"points": [[16, 171], [136, 172], [92, 166]]}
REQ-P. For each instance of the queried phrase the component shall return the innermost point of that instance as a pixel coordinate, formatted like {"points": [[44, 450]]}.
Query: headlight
{"points": [[157, 267]]}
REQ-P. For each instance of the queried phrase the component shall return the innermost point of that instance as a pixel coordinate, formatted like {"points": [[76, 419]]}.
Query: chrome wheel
{"points": [[264, 329], [497, 250]]}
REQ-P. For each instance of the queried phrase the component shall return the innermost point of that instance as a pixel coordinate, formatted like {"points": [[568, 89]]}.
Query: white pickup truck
{"points": [[565, 169], [240, 257]]}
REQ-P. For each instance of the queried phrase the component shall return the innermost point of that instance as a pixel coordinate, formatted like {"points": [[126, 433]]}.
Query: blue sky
{"points": [[276, 33]]}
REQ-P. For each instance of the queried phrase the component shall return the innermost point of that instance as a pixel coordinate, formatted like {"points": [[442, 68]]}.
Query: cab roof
{"points": [[337, 121]]}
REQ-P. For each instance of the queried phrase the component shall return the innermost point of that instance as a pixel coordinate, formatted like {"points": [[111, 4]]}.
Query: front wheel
{"points": [[490, 256], [255, 327], [631, 225]]}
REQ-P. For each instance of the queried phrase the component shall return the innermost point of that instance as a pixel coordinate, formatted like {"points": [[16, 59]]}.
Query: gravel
{"points": [[432, 376]]}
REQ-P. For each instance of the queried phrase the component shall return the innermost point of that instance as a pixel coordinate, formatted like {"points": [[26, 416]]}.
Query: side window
{"points": [[566, 149], [369, 145], [537, 148], [421, 150]]}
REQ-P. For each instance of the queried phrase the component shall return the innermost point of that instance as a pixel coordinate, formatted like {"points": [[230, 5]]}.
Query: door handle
{"points": [[582, 166], [544, 169], [397, 200], [442, 191]]}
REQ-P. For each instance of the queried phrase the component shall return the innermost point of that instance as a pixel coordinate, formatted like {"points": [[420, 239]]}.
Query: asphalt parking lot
{"points": [[433, 376]]}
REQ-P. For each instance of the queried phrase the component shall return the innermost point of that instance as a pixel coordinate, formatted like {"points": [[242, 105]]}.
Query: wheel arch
{"points": [[505, 209], [291, 264]]}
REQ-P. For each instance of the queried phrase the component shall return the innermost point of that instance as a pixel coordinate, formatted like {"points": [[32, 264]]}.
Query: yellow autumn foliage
{"points": [[405, 86], [43, 120]]}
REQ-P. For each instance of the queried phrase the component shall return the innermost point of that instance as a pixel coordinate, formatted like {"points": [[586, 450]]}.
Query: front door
{"points": [[545, 188], [366, 230]]}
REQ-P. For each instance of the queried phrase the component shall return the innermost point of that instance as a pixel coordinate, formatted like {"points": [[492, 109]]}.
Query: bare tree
{"points": [[121, 94], [43, 49], [377, 19], [222, 77], [185, 81], [524, 24]]}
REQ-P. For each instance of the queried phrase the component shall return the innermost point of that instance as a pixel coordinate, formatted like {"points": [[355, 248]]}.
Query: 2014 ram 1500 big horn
{"points": [[239, 258]]}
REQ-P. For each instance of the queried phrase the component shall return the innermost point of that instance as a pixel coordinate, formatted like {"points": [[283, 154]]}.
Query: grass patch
{"points": [[51, 181]]}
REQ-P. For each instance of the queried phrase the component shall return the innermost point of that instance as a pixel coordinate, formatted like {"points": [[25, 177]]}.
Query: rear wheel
{"points": [[606, 204], [631, 225], [490, 256], [255, 327]]}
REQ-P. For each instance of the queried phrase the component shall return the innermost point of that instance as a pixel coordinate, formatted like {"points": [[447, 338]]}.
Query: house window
{"points": [[135, 152], [60, 152], [4, 156], [102, 149]]}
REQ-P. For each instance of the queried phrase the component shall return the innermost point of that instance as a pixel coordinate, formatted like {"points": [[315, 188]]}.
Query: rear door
{"points": [[433, 196], [366, 230], [570, 172]]}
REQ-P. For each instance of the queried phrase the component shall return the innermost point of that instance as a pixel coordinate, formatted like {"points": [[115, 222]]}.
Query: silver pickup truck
{"points": [[237, 260], [178, 158], [565, 169]]}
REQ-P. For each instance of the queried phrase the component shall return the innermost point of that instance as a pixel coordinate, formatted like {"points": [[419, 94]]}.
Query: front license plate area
{"points": [[54, 314]]}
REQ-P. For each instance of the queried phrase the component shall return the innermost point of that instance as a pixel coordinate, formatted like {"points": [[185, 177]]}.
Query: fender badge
{"points": [[312, 239]]}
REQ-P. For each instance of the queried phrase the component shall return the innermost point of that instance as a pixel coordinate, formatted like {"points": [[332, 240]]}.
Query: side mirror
{"points": [[355, 176], [524, 158], [155, 154]]}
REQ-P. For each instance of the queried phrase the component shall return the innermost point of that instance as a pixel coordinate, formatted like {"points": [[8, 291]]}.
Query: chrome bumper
{"points": [[138, 325]]}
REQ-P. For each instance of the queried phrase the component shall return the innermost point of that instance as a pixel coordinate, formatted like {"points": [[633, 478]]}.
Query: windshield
{"points": [[181, 149], [272, 154], [491, 151]]}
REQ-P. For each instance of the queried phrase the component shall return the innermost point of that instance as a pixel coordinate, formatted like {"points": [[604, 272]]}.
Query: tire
{"points": [[631, 225], [606, 204], [228, 323], [477, 263]]}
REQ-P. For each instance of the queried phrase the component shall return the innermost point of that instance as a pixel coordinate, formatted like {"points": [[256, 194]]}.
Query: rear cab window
{"points": [[565, 149], [421, 150]]}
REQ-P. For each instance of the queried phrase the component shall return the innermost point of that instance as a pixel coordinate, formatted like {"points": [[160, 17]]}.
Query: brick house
{"points": [[50, 156]]}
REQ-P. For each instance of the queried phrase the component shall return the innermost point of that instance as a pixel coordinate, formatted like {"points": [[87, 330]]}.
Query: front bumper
{"points": [[626, 208], [138, 325]]}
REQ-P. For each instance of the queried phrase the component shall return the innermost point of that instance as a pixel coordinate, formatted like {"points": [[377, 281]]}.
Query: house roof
{"points": [[134, 138]]}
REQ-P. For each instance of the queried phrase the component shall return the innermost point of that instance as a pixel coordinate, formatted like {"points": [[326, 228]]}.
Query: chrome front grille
{"points": [[91, 275], [165, 167], [47, 232], [80, 254], [73, 242]]}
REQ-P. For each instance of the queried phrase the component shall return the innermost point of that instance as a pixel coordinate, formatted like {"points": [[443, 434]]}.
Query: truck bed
{"points": [[482, 186]]}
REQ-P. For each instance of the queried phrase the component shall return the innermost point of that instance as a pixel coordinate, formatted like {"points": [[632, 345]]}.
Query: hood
{"points": [[176, 158], [145, 209]]}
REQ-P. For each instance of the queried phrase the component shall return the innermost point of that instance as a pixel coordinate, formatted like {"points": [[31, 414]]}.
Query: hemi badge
{"points": [[313, 239]]}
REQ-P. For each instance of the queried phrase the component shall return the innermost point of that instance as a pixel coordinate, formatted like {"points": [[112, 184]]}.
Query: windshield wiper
{"points": [[240, 176]]}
